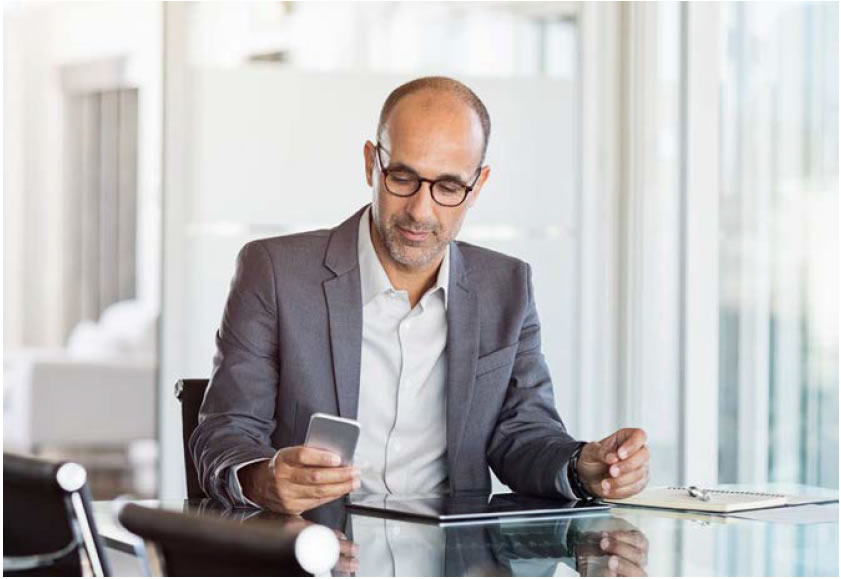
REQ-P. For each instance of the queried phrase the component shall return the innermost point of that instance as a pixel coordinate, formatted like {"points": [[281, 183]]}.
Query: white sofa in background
{"points": [[97, 393]]}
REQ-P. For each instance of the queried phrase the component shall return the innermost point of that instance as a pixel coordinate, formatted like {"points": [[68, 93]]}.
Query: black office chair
{"points": [[190, 392], [48, 524], [183, 544]]}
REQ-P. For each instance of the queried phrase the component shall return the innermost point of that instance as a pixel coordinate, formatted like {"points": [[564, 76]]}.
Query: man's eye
{"points": [[403, 177], [450, 186]]}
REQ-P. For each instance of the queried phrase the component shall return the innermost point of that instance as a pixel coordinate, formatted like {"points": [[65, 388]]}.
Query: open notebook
{"points": [[721, 501]]}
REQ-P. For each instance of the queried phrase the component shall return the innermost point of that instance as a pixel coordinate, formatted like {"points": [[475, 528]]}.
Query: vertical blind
{"points": [[101, 210]]}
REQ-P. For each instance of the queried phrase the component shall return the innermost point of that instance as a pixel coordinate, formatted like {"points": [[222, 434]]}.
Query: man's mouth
{"points": [[414, 235]]}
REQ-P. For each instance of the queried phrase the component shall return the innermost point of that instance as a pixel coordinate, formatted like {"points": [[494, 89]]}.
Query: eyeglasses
{"points": [[448, 192]]}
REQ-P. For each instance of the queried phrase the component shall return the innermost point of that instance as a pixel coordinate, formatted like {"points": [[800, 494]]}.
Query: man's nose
{"points": [[421, 204]]}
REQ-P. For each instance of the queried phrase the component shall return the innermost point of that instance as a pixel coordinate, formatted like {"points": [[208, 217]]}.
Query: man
{"points": [[433, 345]]}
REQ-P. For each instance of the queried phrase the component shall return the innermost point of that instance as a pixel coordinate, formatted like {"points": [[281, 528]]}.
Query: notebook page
{"points": [[720, 501]]}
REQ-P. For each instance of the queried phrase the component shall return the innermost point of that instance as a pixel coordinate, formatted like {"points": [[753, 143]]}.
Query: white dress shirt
{"points": [[402, 394]]}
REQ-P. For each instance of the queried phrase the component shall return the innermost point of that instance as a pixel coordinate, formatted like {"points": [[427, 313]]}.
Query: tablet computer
{"points": [[469, 507]]}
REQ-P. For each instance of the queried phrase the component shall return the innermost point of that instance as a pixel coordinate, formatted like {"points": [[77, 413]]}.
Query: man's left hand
{"points": [[615, 467]]}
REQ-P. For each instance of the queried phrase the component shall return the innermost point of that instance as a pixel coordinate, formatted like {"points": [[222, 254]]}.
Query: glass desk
{"points": [[654, 542]]}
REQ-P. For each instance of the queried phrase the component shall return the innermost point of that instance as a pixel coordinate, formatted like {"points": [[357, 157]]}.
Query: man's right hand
{"points": [[297, 479]]}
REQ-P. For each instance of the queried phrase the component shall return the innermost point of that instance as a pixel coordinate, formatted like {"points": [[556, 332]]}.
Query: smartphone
{"points": [[334, 434]]}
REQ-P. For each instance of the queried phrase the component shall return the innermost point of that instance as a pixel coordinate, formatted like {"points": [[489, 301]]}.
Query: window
{"points": [[778, 341]]}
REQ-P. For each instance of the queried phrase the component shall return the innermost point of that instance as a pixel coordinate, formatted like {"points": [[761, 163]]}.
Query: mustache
{"points": [[409, 224]]}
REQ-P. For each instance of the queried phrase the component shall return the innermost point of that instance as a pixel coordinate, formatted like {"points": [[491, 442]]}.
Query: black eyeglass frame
{"points": [[421, 181]]}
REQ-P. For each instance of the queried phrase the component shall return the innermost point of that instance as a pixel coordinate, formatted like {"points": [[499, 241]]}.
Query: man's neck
{"points": [[414, 281]]}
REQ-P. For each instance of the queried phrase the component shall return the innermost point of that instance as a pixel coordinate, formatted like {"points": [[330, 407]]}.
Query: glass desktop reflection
{"points": [[652, 541]]}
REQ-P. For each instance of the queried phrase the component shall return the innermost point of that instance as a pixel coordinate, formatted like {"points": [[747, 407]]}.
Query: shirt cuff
{"points": [[562, 483], [235, 488]]}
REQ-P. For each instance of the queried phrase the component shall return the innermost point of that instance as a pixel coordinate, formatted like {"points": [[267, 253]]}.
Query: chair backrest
{"points": [[191, 394], [48, 524], [185, 544]]}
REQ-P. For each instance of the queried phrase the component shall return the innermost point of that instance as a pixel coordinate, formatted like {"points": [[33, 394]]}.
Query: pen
{"points": [[701, 494]]}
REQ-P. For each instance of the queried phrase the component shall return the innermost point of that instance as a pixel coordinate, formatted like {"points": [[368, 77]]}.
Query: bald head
{"points": [[437, 88]]}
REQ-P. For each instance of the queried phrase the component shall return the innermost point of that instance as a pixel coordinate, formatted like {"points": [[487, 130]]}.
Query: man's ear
{"points": [[474, 194], [369, 150]]}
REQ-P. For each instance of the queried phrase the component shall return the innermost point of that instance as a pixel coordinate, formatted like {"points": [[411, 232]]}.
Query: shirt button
{"points": [[407, 326], [397, 445], [395, 530]]}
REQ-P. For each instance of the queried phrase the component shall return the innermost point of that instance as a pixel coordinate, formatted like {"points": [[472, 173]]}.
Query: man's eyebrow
{"points": [[442, 177], [401, 167]]}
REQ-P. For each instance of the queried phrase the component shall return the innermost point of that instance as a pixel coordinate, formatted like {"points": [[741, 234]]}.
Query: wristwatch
{"points": [[575, 483]]}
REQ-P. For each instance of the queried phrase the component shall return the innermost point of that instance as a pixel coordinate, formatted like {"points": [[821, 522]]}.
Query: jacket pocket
{"points": [[496, 360]]}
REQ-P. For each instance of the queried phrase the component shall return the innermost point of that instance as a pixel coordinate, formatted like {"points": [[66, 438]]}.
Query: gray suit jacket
{"points": [[290, 343]]}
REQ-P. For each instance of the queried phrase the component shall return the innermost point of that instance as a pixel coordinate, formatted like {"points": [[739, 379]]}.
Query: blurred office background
{"points": [[670, 171]]}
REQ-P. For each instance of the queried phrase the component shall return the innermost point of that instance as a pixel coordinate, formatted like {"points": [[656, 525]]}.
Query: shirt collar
{"points": [[372, 276]]}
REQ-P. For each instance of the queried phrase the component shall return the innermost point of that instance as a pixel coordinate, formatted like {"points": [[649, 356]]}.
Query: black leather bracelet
{"points": [[572, 474]]}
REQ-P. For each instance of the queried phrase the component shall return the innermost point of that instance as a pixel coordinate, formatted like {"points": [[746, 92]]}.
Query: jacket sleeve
{"points": [[236, 420], [530, 448]]}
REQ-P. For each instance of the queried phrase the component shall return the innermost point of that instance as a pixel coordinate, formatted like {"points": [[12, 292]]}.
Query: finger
{"points": [[348, 548], [347, 565], [637, 460], [628, 478], [628, 491], [610, 487], [635, 538], [631, 439], [326, 491], [322, 475], [289, 492], [624, 568], [623, 550], [594, 566], [316, 457]]}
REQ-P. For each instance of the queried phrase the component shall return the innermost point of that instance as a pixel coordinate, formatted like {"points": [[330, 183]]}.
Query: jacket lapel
{"points": [[462, 352], [344, 311]]}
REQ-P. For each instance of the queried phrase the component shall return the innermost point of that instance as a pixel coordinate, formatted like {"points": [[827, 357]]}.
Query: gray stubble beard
{"points": [[397, 250]]}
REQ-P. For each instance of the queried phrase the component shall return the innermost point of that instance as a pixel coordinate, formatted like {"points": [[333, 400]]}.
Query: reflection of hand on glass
{"points": [[348, 550], [611, 548], [348, 557]]}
